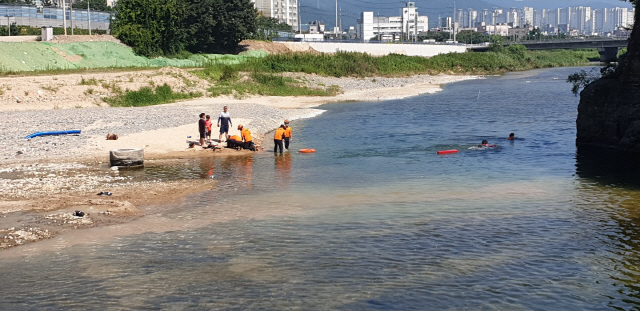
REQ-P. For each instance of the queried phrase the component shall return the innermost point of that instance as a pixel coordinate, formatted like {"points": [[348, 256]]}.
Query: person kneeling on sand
{"points": [[234, 141], [247, 140]]}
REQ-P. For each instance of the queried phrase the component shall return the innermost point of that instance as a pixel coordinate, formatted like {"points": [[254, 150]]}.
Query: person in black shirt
{"points": [[202, 127]]}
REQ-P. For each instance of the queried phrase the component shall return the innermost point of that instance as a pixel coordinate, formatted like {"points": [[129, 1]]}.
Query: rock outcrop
{"points": [[609, 110]]}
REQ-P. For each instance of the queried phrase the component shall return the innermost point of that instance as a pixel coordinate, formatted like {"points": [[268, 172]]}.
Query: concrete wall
{"points": [[380, 49]]}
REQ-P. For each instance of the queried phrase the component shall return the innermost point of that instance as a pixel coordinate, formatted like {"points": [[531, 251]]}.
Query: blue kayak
{"points": [[52, 133]]}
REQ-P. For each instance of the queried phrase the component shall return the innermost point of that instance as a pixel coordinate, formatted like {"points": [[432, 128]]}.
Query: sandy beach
{"points": [[45, 179]]}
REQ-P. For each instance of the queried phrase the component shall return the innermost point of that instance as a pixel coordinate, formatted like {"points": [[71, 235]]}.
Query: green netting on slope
{"points": [[36, 56], [30, 56]]}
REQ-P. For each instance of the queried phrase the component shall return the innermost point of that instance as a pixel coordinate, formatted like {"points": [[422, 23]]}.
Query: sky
{"points": [[324, 10]]}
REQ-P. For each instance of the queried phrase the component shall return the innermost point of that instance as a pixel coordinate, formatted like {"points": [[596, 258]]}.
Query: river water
{"points": [[375, 220]]}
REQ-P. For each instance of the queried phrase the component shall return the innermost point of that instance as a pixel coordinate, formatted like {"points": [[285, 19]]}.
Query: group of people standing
{"points": [[205, 126], [282, 137]]}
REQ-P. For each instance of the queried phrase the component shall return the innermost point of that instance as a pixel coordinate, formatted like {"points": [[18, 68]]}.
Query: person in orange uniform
{"points": [[277, 139], [246, 137], [287, 134], [234, 141]]}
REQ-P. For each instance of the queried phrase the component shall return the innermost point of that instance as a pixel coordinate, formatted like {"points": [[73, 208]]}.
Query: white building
{"points": [[497, 29], [285, 11], [405, 27], [527, 17]]}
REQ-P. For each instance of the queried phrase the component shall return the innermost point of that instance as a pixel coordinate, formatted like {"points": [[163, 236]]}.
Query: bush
{"points": [[146, 96], [517, 50], [140, 39]]}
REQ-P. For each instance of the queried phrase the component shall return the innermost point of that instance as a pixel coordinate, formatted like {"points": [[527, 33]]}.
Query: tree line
{"points": [[173, 27]]}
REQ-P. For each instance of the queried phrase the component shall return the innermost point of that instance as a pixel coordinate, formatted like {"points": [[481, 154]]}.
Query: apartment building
{"points": [[407, 26], [285, 11]]}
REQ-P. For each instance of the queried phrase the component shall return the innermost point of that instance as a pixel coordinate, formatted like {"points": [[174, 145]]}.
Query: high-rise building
{"points": [[404, 27], [285, 11], [527, 16]]}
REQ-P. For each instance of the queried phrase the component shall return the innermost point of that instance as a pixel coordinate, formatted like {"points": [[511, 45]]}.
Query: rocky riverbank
{"points": [[44, 180]]}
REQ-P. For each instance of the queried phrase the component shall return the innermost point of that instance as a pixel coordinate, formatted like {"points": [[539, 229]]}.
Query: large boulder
{"points": [[609, 115], [126, 157], [609, 110]]}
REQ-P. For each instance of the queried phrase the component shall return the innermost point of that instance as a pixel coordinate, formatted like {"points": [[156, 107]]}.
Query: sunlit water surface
{"points": [[375, 220]]}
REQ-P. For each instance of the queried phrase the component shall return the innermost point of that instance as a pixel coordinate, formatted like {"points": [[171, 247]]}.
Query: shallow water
{"points": [[374, 220]]}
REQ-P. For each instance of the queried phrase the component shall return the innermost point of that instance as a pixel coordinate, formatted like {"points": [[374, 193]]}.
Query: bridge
{"points": [[608, 48]]}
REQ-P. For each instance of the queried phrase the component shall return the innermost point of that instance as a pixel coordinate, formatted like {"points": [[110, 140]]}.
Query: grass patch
{"points": [[269, 85], [343, 64], [91, 81], [52, 89], [266, 81], [89, 91], [146, 96]]}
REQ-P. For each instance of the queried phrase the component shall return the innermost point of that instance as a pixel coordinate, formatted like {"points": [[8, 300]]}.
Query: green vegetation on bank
{"points": [[147, 96], [513, 58], [56, 58], [263, 76], [227, 81]]}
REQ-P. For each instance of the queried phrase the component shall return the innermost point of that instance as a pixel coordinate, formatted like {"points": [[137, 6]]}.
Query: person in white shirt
{"points": [[224, 121]]}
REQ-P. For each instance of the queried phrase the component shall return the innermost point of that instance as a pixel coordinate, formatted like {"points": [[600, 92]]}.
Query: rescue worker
{"points": [[277, 139], [287, 134], [247, 140], [234, 141]]}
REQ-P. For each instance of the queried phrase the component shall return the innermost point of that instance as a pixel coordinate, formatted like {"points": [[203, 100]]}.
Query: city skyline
{"points": [[350, 10]]}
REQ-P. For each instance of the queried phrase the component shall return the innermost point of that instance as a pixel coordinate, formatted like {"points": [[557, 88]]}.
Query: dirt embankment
{"points": [[88, 89]]}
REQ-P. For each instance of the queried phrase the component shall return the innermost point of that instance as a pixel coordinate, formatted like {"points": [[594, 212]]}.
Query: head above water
{"points": [[485, 142], [512, 135]]}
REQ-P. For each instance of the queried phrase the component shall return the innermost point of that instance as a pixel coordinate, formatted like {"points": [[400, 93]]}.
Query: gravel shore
{"points": [[97, 122]]}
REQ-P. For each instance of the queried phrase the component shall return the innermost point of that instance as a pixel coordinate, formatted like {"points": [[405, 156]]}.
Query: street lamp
{"points": [[9, 23]]}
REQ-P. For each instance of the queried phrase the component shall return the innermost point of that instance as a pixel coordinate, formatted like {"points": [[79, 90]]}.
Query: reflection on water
{"points": [[373, 221], [609, 167]]}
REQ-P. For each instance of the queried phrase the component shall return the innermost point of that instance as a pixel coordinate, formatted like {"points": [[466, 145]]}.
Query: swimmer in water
{"points": [[483, 143], [512, 136]]}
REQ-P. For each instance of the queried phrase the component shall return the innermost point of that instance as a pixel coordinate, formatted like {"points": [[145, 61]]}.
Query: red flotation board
{"points": [[307, 150], [448, 151]]}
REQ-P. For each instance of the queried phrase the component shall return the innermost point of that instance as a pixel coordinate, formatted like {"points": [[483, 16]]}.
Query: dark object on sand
{"points": [[126, 157], [78, 214], [105, 193], [112, 137], [52, 133]]}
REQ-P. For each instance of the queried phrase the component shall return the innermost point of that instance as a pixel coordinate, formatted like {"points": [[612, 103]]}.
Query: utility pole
{"points": [[71, 17], [89, 16], [454, 21], [336, 28], [64, 17]]}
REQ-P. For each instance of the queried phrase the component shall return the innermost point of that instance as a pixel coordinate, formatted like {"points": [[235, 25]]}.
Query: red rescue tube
{"points": [[307, 151], [448, 151]]}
